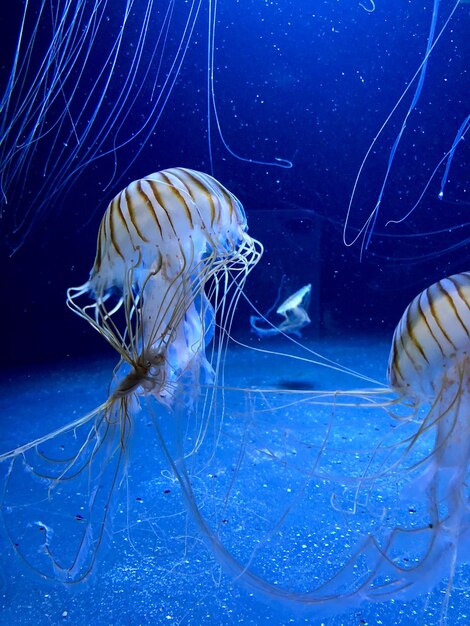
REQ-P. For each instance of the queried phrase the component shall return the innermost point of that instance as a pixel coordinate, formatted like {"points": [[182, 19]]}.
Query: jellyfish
{"points": [[403, 552], [293, 310], [429, 371], [430, 364], [166, 236], [172, 259]]}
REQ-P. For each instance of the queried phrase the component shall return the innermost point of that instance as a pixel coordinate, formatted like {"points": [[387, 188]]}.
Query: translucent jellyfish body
{"points": [[163, 242]]}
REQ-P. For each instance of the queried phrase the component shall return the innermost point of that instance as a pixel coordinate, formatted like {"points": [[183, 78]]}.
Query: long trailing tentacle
{"points": [[100, 460]]}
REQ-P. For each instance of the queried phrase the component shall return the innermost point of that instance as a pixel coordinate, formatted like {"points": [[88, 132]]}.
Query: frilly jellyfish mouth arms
{"points": [[141, 377]]}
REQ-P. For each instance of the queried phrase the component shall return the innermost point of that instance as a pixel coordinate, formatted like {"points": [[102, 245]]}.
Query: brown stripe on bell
{"points": [[437, 311], [132, 210], [424, 318], [202, 190], [112, 228], [180, 196]]}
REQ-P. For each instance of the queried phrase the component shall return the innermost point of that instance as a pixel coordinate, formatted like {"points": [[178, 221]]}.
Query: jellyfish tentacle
{"points": [[365, 231], [101, 453]]}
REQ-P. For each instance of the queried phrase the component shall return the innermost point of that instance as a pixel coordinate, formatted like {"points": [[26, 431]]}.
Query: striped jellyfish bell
{"points": [[431, 343], [166, 221]]}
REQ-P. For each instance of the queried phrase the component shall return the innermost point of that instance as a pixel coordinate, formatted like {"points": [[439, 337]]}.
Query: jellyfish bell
{"points": [[431, 340]]}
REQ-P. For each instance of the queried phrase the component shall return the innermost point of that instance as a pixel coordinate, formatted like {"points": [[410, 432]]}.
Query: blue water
{"points": [[318, 86], [153, 567]]}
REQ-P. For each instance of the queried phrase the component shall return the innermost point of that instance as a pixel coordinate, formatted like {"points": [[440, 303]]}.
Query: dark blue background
{"points": [[311, 82]]}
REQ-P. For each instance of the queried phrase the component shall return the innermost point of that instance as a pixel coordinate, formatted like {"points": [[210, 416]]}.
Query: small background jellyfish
{"points": [[294, 310]]}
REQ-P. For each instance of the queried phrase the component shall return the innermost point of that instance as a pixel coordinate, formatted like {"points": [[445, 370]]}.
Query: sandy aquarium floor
{"points": [[275, 474]]}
